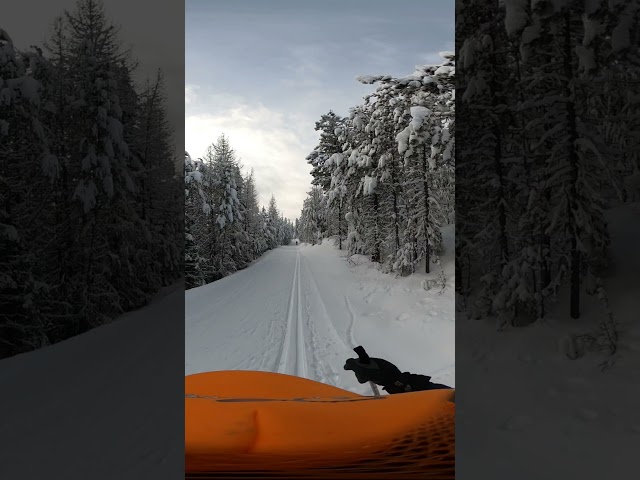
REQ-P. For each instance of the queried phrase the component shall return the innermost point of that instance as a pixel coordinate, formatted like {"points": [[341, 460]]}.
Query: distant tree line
{"points": [[90, 200], [383, 177], [549, 108], [225, 227]]}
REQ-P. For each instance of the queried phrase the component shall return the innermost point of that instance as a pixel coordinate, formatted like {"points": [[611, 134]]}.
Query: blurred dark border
{"points": [[547, 117], [142, 233]]}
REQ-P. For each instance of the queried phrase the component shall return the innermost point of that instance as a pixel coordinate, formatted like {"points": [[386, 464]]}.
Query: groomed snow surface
{"points": [[301, 309]]}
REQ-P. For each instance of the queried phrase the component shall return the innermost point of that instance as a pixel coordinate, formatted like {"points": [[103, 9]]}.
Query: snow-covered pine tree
{"points": [[196, 210], [24, 153], [96, 250], [361, 238], [376, 189], [272, 223], [104, 187], [426, 144], [482, 238], [252, 215], [226, 216], [312, 218]]}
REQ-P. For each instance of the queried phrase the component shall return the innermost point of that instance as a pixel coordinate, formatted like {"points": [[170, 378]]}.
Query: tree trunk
{"points": [[502, 214], [541, 278], [425, 186], [376, 244], [340, 224], [573, 162]]}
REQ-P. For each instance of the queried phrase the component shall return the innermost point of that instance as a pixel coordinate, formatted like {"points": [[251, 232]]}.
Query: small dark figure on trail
{"points": [[387, 375], [296, 242]]}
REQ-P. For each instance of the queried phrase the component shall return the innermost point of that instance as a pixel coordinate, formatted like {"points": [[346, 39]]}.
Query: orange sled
{"points": [[245, 424]]}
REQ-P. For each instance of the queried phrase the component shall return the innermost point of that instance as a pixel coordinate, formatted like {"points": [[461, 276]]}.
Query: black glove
{"points": [[387, 375], [378, 371], [412, 382]]}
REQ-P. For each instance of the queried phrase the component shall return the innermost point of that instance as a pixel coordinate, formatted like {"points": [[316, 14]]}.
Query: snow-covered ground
{"points": [[301, 309], [527, 411], [103, 405]]}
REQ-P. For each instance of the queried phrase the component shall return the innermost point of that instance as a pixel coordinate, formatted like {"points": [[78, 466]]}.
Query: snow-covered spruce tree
{"points": [[225, 216], [348, 181], [382, 179], [312, 217], [267, 234], [496, 163], [364, 214], [241, 244], [159, 192], [315, 218], [100, 169], [62, 99], [321, 171], [329, 170], [244, 237], [196, 210], [273, 223], [24, 152], [288, 231], [573, 165], [426, 144], [251, 218], [484, 185], [422, 112], [277, 230], [526, 278]]}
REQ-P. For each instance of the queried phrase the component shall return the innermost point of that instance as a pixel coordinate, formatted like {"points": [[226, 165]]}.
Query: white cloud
{"points": [[190, 95], [271, 143]]}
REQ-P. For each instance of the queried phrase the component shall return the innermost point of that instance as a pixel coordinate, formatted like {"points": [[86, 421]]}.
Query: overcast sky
{"points": [[154, 30], [262, 72]]}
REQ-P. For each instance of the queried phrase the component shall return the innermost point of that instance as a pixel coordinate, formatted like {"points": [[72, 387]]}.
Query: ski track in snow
{"points": [[301, 354], [323, 370], [325, 314], [293, 359], [283, 356], [351, 323]]}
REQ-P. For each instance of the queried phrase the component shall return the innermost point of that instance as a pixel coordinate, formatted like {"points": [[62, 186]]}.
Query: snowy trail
{"points": [[293, 359], [263, 318], [300, 310]]}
